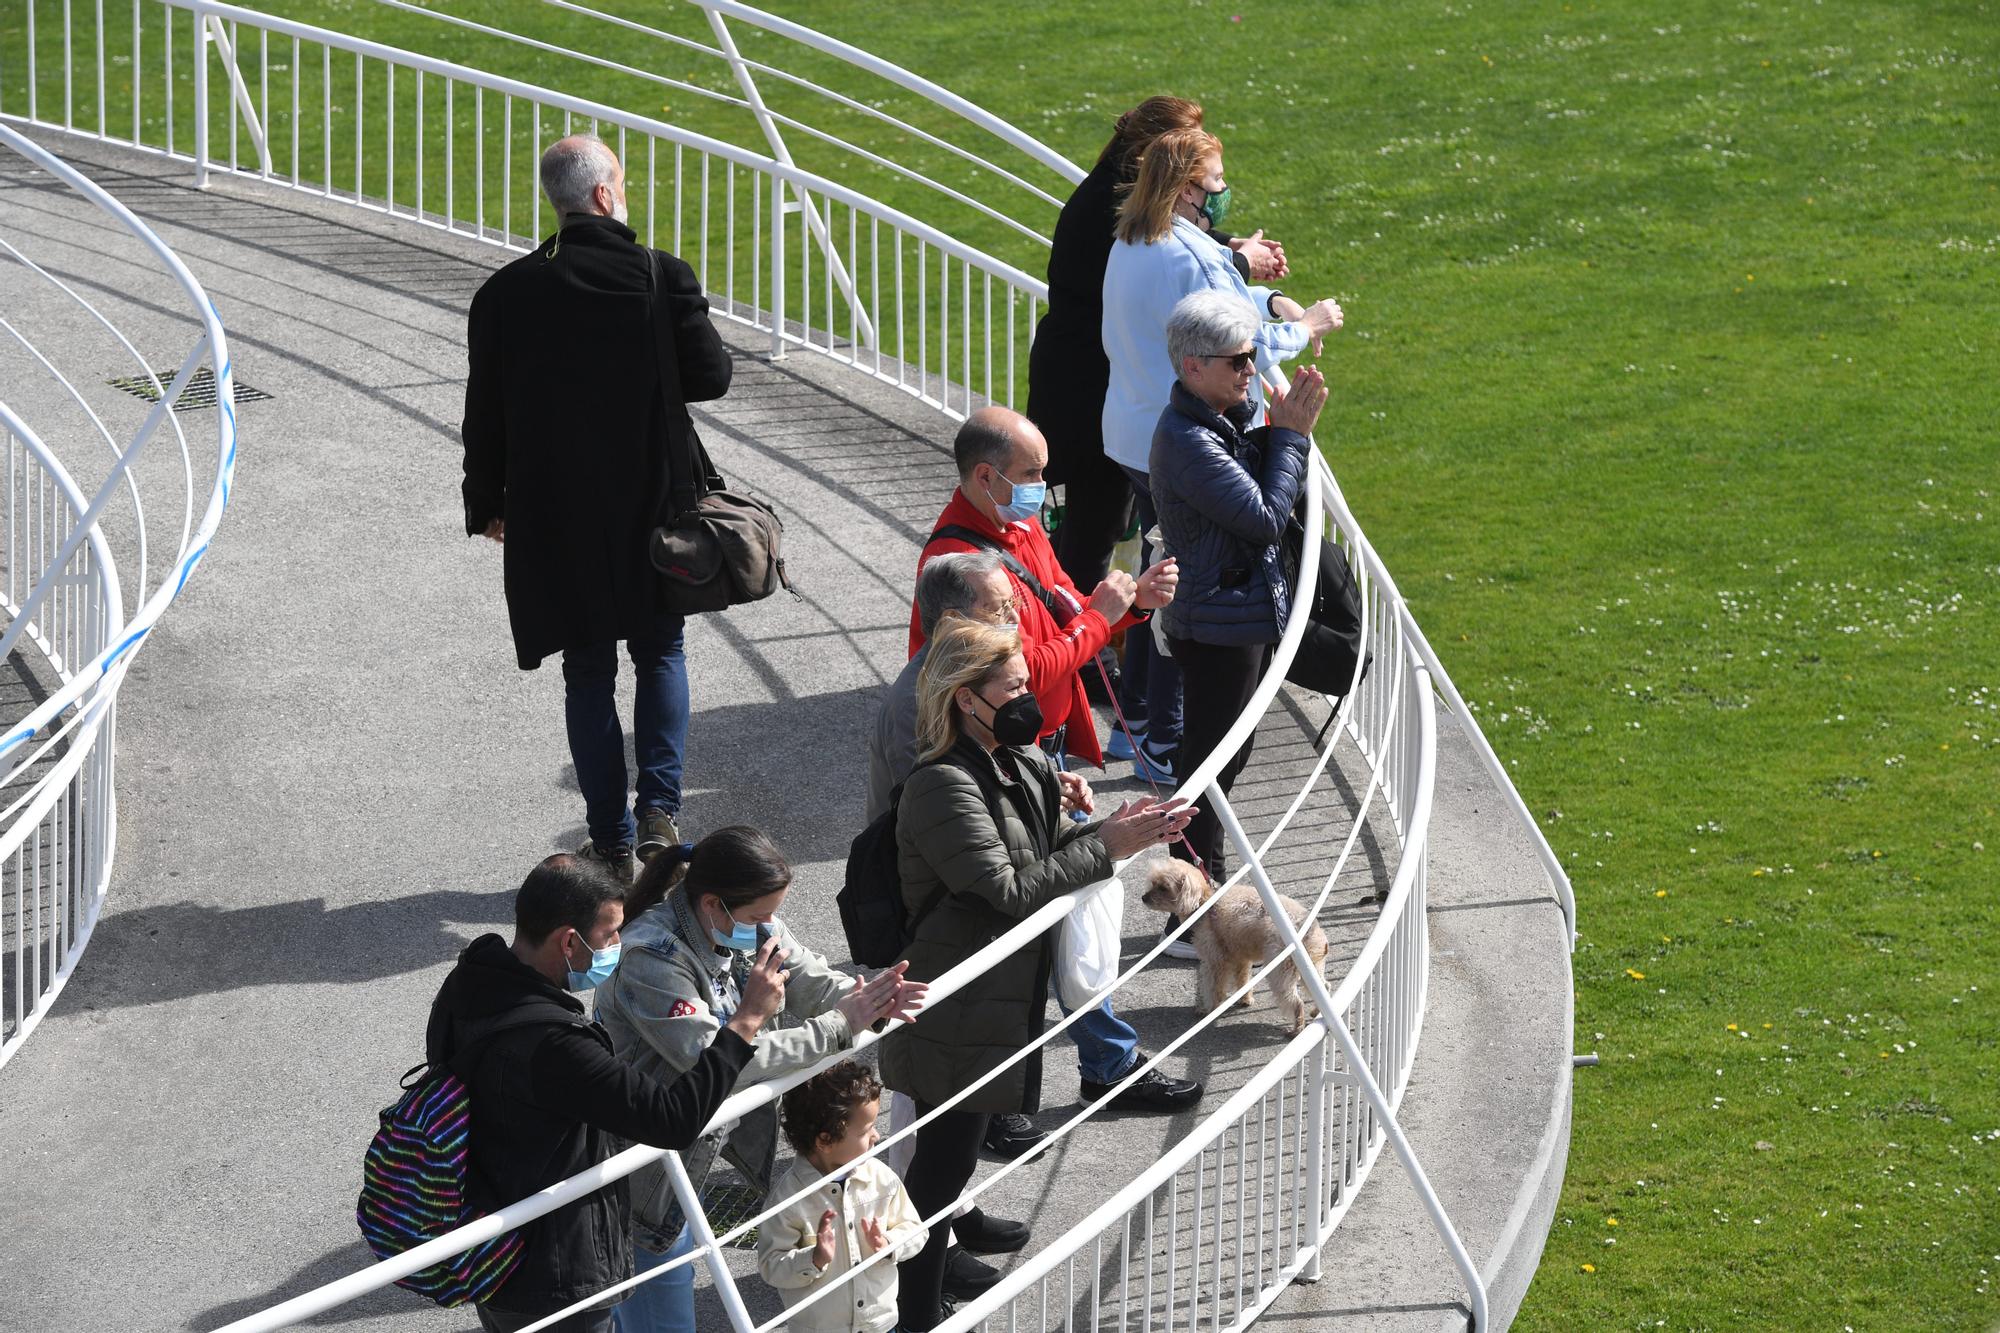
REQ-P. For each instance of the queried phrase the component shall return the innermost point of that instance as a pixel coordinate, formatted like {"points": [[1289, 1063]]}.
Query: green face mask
{"points": [[1216, 206]]}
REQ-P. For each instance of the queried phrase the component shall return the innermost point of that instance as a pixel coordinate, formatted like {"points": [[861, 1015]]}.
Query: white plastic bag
{"points": [[1092, 934]]}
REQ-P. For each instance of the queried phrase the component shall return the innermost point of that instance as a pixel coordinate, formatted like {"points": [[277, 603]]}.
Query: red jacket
{"points": [[1055, 654]]}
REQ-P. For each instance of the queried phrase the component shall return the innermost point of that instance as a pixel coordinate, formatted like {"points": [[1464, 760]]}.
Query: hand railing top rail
{"points": [[214, 342], [603, 113]]}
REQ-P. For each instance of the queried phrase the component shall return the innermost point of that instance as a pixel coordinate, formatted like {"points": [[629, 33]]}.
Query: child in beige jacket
{"points": [[856, 1212]]}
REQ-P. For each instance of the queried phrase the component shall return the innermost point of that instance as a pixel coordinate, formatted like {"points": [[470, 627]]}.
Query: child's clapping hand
{"points": [[823, 1252], [872, 1238]]}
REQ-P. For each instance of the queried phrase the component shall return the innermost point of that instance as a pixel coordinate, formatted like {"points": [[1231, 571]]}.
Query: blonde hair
{"points": [[1171, 161], [964, 653]]}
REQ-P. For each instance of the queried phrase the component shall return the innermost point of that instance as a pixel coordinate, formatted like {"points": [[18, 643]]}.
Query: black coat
{"points": [[548, 1102], [1068, 372], [566, 429]]}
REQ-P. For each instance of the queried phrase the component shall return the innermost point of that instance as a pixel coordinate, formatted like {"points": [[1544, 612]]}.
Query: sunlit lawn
{"points": [[1668, 392]]}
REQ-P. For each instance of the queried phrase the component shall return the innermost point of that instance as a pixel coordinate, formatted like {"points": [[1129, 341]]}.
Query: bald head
{"points": [[581, 174], [1001, 438]]}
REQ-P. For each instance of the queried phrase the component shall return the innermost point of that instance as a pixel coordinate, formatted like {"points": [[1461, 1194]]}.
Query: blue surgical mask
{"points": [[1024, 503], [741, 938], [602, 961]]}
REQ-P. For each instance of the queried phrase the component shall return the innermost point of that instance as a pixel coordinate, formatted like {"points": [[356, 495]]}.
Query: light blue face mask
{"points": [[1024, 503], [741, 938], [602, 961]]}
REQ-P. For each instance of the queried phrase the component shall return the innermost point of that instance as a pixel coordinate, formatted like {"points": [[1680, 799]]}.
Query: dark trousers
{"points": [[659, 728], [1150, 693], [1097, 508], [947, 1153], [1216, 682], [502, 1321]]}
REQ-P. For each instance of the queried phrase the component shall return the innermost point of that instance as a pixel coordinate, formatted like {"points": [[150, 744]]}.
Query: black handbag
{"points": [[1332, 641], [717, 548]]}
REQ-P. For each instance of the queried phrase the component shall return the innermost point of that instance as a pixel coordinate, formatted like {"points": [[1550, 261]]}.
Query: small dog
{"points": [[1235, 937]]}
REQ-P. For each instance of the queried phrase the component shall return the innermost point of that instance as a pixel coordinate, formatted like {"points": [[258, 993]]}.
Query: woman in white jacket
{"points": [[854, 1210], [1162, 253]]}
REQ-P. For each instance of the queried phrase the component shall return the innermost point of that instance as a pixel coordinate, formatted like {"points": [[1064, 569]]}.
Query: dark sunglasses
{"points": [[1238, 361]]}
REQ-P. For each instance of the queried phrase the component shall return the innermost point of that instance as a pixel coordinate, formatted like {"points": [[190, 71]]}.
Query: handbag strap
{"points": [[687, 477], [1058, 605]]}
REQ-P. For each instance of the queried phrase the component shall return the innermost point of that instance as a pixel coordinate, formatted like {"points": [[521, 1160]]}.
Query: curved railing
{"points": [[814, 260], [68, 623]]}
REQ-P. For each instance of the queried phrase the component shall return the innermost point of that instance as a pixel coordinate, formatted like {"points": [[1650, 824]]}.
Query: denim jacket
{"points": [[671, 994], [1142, 284]]}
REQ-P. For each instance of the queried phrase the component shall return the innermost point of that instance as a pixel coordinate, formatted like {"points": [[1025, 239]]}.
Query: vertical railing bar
{"points": [[418, 129], [944, 330], [479, 157], [854, 304], [296, 73], [805, 266], [652, 188], [534, 184], [965, 330], [875, 284], [756, 245], [450, 176], [902, 360], [138, 69], [98, 6], [507, 170], [69, 63], [229, 99], [923, 322], [986, 313], [389, 136], [729, 236], [166, 48], [264, 98], [679, 174]]}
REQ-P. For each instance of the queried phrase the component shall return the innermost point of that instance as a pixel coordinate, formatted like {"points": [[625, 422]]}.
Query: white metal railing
{"points": [[1217, 1228], [69, 621]]}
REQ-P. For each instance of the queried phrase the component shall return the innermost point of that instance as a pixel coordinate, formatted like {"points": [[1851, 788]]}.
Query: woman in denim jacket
{"points": [[1225, 491], [677, 982]]}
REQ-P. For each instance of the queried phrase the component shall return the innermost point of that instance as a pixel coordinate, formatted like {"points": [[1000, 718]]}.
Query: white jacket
{"points": [[785, 1245], [1142, 284]]}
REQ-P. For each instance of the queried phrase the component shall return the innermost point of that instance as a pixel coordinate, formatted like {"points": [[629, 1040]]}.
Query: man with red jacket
{"points": [[998, 503], [1000, 456]]}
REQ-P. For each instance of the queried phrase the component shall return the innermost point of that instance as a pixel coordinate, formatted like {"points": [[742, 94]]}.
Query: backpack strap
{"points": [[474, 1046], [1059, 606]]}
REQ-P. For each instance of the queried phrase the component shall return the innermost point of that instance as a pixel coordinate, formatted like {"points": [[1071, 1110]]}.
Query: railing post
{"points": [[704, 1236], [200, 18], [752, 95], [777, 269], [1316, 1154]]}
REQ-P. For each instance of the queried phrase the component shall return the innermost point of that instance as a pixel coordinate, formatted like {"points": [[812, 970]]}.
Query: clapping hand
{"points": [[1299, 407], [886, 995], [1137, 825], [872, 1238], [1266, 258], [1156, 586], [1076, 793], [763, 991], [823, 1252]]}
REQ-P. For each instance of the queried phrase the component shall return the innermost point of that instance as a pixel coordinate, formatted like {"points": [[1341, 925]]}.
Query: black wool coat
{"points": [[566, 428]]}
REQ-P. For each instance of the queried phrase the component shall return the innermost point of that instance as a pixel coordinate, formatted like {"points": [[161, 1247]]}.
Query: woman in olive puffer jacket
{"points": [[981, 845]]}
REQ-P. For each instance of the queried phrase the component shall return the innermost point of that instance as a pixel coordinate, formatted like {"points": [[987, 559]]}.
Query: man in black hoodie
{"points": [[549, 1099]]}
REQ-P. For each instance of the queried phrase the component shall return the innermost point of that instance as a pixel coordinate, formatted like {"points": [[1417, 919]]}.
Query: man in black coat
{"points": [[549, 1099], [567, 428]]}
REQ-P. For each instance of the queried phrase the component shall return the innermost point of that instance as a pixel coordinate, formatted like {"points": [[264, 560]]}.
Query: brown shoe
{"points": [[657, 832], [618, 860]]}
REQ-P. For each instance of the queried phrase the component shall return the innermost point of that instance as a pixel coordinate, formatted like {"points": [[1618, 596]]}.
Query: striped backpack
{"points": [[413, 1185]]}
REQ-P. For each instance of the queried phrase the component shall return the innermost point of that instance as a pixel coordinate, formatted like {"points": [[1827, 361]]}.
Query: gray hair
{"points": [[950, 582], [1209, 323], [573, 168]]}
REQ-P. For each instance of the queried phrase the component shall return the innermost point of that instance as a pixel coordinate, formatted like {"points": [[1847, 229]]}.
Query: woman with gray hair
{"points": [[1224, 492]]}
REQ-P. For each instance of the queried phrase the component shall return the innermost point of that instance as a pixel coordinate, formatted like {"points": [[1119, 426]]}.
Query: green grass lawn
{"points": [[1667, 391]]}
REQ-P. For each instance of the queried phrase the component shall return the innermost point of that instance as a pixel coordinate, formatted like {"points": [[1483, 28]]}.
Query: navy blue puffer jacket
{"points": [[1223, 498]]}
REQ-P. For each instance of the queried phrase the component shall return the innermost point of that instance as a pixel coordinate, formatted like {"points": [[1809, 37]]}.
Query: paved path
{"points": [[331, 777]]}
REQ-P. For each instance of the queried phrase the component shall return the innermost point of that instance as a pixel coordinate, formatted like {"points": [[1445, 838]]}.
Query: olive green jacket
{"points": [[993, 874]]}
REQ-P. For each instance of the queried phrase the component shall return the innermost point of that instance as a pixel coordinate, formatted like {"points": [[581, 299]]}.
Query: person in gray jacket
{"points": [[981, 845], [1224, 492], [678, 981]]}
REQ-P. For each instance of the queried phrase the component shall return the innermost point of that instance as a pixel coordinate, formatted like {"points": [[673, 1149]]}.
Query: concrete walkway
{"points": [[331, 777]]}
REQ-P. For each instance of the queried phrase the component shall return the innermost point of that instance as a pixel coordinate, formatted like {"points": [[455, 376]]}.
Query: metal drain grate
{"points": [[198, 393]]}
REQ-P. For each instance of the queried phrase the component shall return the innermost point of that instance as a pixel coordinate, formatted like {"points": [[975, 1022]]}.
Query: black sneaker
{"points": [[977, 1232], [1153, 1091], [618, 860], [1010, 1136], [966, 1277], [657, 832]]}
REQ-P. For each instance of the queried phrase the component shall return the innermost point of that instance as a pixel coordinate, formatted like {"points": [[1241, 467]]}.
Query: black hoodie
{"points": [[550, 1100]]}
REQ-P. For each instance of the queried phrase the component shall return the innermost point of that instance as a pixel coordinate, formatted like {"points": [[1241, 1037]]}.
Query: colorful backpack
{"points": [[413, 1185]]}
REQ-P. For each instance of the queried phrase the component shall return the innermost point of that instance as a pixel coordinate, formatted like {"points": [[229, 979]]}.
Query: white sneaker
{"points": [[1180, 948]]}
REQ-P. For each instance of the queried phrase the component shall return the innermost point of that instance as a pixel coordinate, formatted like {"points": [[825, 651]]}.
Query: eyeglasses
{"points": [[1010, 609], [1238, 361]]}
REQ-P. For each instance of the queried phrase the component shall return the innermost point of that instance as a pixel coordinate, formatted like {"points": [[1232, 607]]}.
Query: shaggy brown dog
{"points": [[1235, 938]]}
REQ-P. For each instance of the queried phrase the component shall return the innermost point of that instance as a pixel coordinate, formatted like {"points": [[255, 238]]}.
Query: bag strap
{"points": [[1058, 608], [689, 472]]}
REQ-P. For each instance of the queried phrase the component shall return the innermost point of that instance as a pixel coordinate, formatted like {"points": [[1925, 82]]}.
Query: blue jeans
{"points": [[1106, 1045], [666, 1304], [659, 728], [1150, 692]]}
